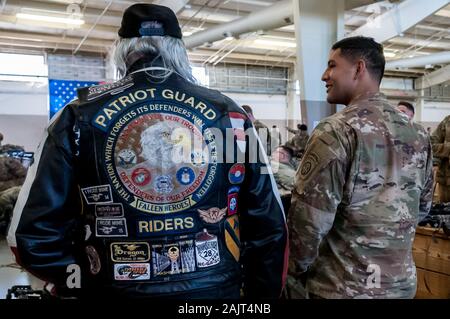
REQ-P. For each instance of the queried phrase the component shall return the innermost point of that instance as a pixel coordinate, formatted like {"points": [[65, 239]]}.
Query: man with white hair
{"points": [[133, 193]]}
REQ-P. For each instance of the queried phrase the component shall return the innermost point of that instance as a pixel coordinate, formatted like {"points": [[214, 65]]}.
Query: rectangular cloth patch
{"points": [[100, 194], [172, 259], [132, 271], [111, 227]]}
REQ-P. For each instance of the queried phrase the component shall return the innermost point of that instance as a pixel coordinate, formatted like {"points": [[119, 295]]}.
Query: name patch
{"points": [[111, 227], [111, 210], [97, 194]]}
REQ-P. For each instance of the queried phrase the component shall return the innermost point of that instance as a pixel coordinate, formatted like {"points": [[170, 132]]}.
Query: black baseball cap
{"points": [[144, 19]]}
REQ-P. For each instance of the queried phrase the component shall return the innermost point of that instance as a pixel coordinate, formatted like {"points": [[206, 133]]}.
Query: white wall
{"points": [[27, 98], [435, 111], [269, 109], [23, 113], [397, 84]]}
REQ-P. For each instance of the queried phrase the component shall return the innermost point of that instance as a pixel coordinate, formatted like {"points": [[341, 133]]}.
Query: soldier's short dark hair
{"points": [[303, 127], [365, 48], [287, 149], [247, 109], [408, 105]]}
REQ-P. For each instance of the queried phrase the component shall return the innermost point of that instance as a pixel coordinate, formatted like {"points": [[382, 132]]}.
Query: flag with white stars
{"points": [[64, 91]]}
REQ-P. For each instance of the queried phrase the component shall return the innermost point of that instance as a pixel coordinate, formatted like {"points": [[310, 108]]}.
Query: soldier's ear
{"points": [[360, 68]]}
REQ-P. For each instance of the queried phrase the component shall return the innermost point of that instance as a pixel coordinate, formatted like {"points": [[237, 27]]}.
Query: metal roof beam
{"points": [[398, 19], [434, 78]]}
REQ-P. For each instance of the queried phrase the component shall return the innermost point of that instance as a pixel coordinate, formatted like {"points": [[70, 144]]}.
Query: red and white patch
{"points": [[232, 204], [141, 176]]}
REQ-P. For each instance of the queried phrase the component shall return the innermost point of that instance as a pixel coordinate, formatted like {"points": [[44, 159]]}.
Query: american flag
{"points": [[63, 91]]}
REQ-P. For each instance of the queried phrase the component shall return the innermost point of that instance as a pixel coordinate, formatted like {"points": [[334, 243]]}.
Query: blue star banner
{"points": [[63, 91]]}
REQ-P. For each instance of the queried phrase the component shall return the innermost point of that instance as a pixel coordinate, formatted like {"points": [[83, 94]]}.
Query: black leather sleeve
{"points": [[45, 216], [263, 229]]}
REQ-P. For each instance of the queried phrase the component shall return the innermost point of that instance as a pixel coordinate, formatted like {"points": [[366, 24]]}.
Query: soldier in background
{"points": [[440, 140], [7, 200], [299, 140], [284, 165], [262, 129], [4, 149], [12, 173], [406, 108], [362, 186]]}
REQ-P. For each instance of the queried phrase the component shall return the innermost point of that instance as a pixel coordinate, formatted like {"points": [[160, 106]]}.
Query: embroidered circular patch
{"points": [[236, 174], [308, 165], [306, 168], [126, 158], [185, 175], [159, 161], [141, 176]]}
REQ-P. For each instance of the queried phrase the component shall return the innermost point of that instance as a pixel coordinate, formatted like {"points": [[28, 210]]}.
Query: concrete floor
{"points": [[11, 274]]}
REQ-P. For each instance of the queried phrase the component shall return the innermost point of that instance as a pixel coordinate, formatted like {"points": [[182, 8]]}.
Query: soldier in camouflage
{"points": [[284, 165], [440, 140], [362, 186], [299, 140]]}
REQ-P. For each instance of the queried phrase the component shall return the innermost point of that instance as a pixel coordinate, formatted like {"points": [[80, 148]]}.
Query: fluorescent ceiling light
{"points": [[389, 54], [275, 43], [46, 18], [253, 2]]}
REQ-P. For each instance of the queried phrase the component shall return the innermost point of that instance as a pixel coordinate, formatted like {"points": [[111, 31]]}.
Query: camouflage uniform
{"points": [[12, 173], [284, 176], [8, 199], [284, 167], [299, 140], [361, 188], [440, 140]]}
